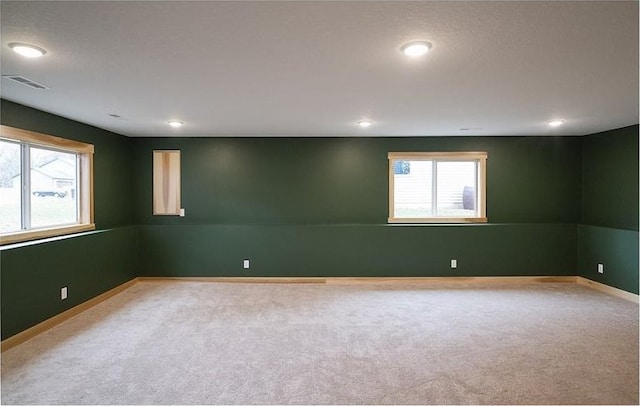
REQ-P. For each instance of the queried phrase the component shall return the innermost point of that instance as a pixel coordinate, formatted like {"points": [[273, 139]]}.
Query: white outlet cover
{"points": [[63, 293], [600, 268], [182, 212], [454, 263], [246, 264]]}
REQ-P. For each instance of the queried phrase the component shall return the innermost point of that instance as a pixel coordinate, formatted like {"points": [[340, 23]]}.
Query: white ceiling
{"points": [[314, 68]]}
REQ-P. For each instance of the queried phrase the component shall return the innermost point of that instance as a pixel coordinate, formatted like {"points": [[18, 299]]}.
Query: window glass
{"points": [[437, 187], [10, 186], [413, 194], [46, 185], [53, 180], [456, 189]]}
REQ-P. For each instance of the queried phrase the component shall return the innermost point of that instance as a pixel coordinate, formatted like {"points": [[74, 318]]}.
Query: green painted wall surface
{"points": [[89, 264], [345, 180], [616, 249], [111, 162], [610, 179], [318, 206], [33, 273], [358, 250], [609, 231]]}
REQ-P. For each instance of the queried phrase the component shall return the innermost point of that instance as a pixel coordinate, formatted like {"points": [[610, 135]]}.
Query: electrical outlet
{"points": [[600, 268], [63, 293], [245, 264], [182, 212], [454, 263]]}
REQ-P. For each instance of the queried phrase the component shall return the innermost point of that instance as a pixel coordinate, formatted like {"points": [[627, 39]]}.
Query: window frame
{"points": [[84, 152], [166, 182], [464, 156]]}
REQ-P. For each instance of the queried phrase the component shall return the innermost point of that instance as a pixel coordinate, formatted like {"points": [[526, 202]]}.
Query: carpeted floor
{"points": [[409, 343]]}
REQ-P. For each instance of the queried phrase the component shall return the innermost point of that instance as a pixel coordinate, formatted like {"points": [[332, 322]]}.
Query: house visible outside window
{"points": [[437, 187], [46, 185]]}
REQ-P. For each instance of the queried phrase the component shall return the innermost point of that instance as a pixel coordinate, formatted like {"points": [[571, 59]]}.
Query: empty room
{"points": [[319, 202]]}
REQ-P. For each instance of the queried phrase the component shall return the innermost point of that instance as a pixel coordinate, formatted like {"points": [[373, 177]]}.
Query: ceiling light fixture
{"points": [[364, 123], [416, 48], [555, 123], [175, 123], [27, 50]]}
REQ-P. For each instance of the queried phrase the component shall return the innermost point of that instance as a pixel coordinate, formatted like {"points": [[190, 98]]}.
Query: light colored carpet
{"points": [[216, 343]]}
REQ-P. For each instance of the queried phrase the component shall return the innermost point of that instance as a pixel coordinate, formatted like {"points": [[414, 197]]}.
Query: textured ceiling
{"points": [[315, 68]]}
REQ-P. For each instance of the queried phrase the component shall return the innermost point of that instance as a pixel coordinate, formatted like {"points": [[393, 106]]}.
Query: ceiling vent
{"points": [[25, 81]]}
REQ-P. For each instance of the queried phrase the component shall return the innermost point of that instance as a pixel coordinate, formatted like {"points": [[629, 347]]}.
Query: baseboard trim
{"points": [[64, 316], [373, 279], [231, 279], [495, 280], [623, 294]]}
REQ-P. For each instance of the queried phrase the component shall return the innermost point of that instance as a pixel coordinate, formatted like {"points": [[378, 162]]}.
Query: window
{"points": [[46, 185], [437, 187]]}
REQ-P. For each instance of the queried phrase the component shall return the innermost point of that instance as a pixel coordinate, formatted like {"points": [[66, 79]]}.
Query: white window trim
{"points": [[85, 181], [481, 157]]}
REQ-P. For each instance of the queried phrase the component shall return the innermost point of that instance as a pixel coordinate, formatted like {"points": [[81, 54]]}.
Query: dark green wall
{"points": [[33, 273], [608, 233], [318, 207], [610, 179], [345, 180], [111, 161], [89, 264], [358, 250], [616, 249]]}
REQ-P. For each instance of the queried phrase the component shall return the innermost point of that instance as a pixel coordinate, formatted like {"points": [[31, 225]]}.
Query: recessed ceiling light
{"points": [[364, 123], [175, 123], [555, 123], [416, 48], [27, 50]]}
